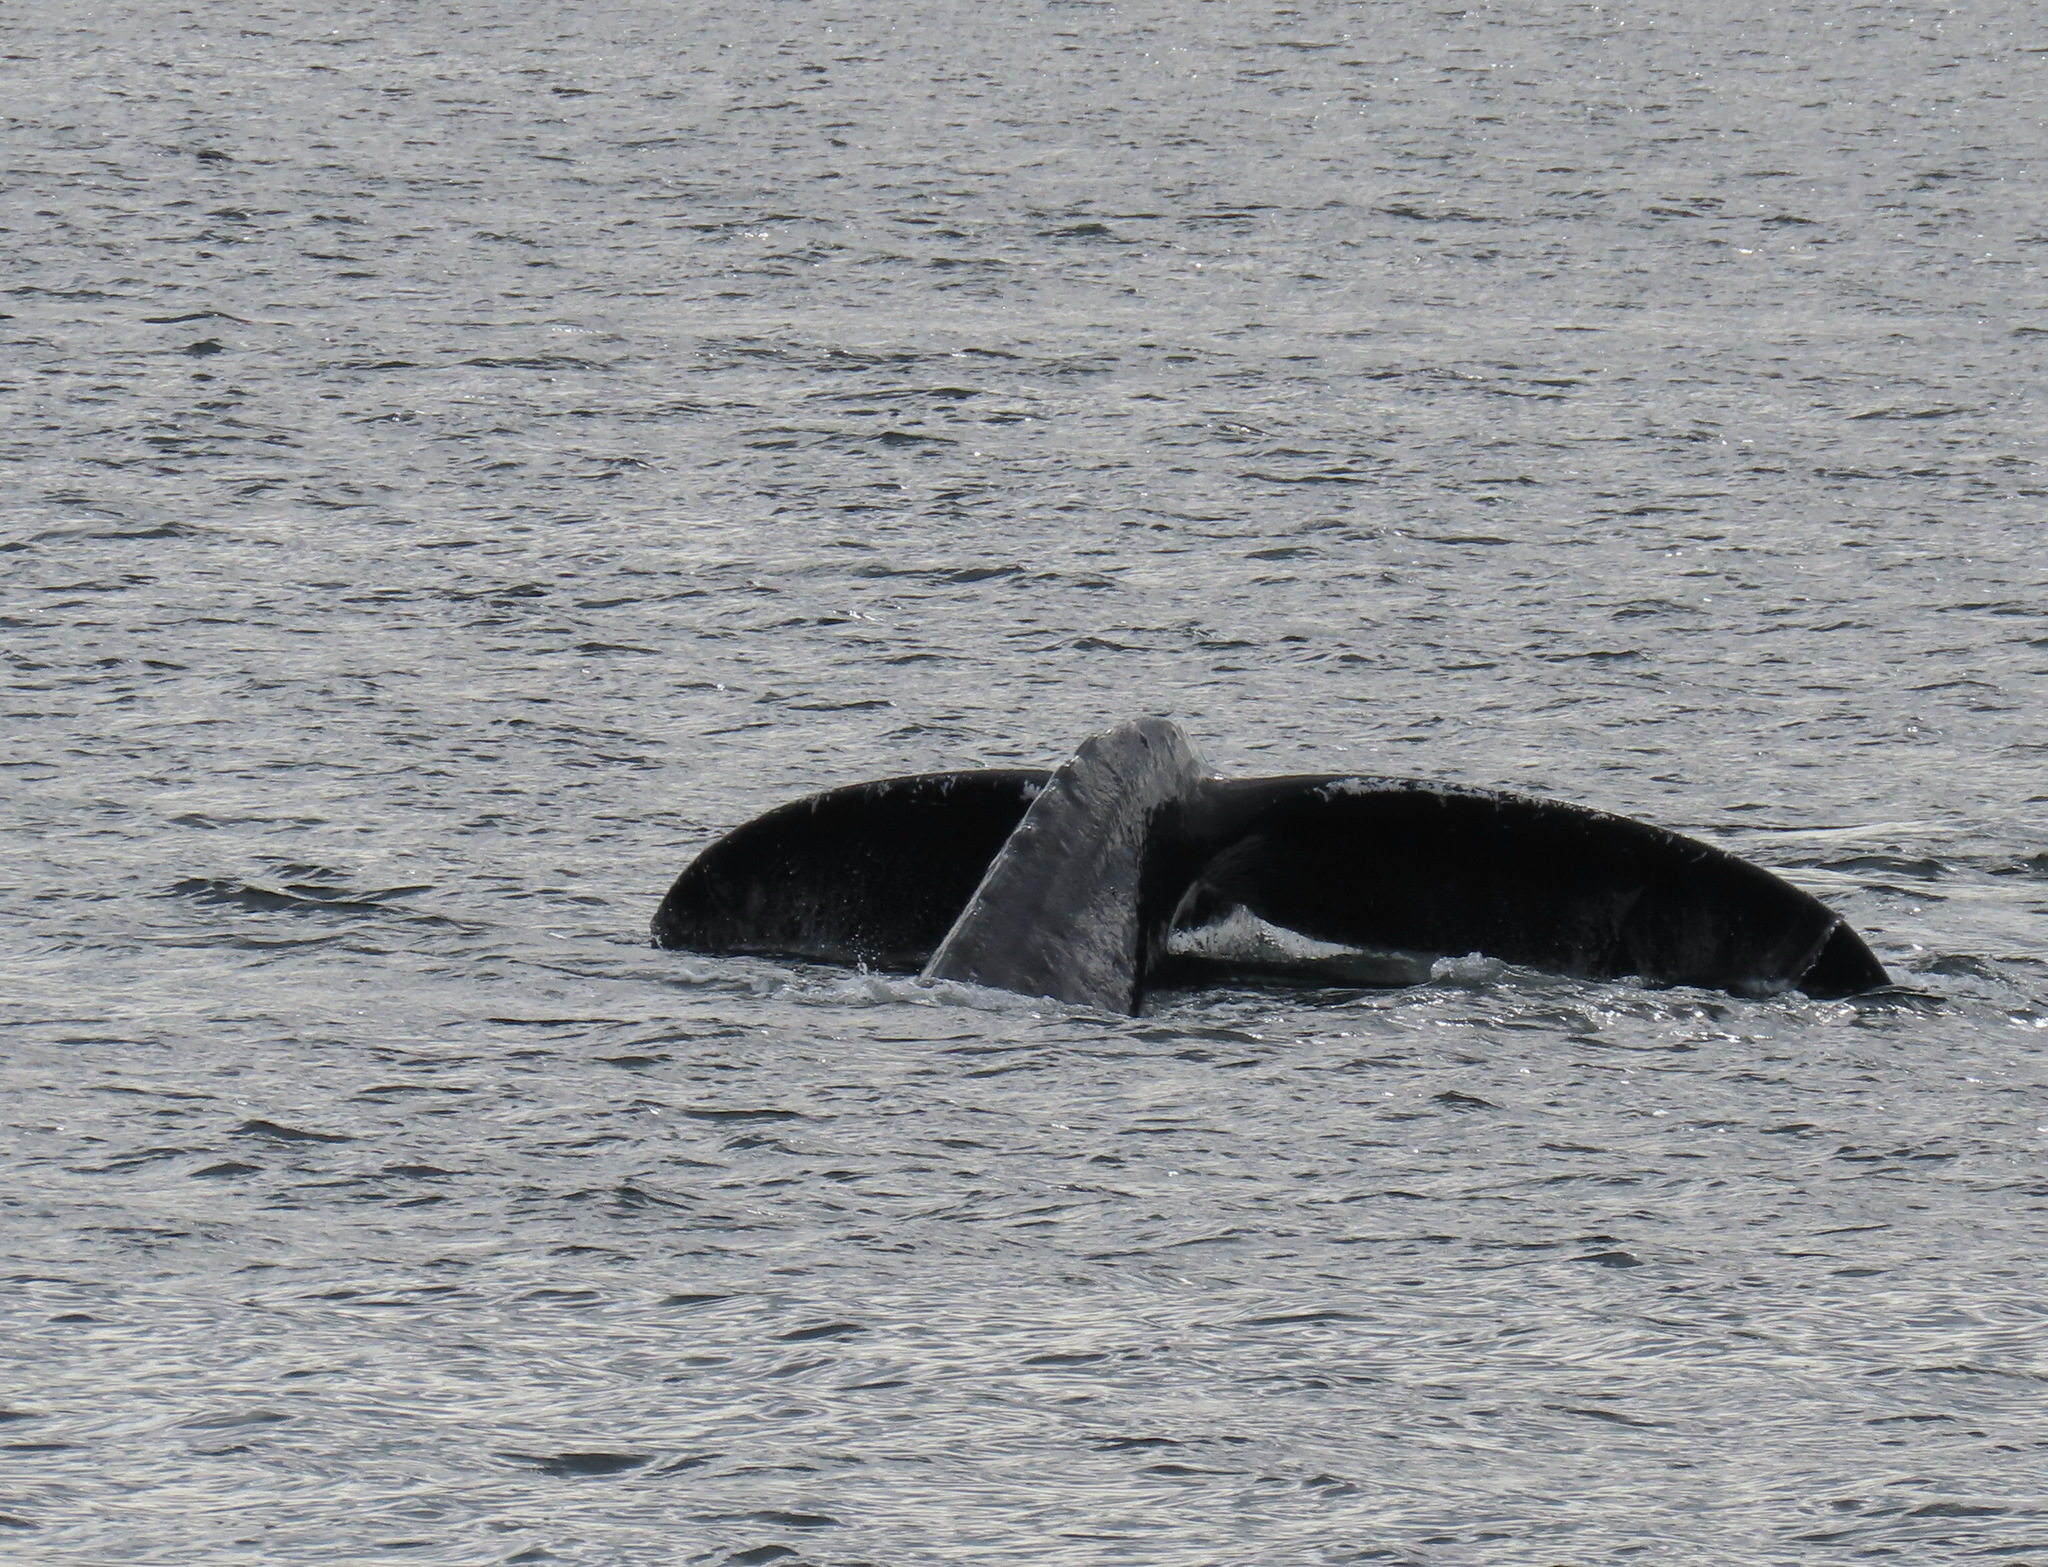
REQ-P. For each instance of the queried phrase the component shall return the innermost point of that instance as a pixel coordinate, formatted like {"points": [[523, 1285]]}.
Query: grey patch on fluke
{"points": [[1058, 913], [1128, 870]]}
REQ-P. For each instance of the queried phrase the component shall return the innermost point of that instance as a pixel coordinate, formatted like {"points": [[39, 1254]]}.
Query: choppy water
{"points": [[459, 460]]}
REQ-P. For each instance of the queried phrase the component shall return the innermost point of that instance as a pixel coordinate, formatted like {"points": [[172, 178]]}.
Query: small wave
{"points": [[1474, 971], [574, 1465], [293, 898]]}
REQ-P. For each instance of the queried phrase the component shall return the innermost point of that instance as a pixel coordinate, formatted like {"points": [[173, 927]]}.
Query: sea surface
{"points": [[455, 461]]}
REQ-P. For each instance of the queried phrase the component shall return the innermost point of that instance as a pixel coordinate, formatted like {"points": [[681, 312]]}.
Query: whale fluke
{"points": [[1111, 875], [1059, 913], [1390, 863], [872, 874]]}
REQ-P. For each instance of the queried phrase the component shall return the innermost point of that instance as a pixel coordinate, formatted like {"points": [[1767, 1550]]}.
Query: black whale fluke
{"points": [[1103, 879]]}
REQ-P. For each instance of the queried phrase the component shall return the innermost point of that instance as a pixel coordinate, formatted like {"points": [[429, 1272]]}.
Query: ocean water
{"points": [[458, 461]]}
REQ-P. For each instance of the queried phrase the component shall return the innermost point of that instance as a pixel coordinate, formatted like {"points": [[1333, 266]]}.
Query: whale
{"points": [[1130, 868]]}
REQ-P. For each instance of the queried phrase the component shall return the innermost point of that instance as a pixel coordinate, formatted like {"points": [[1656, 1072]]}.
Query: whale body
{"points": [[1130, 868]]}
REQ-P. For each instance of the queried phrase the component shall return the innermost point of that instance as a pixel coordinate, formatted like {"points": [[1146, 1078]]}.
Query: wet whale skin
{"points": [[1071, 884]]}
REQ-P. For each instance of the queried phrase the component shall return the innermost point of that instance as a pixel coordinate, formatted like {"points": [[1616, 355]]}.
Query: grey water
{"points": [[459, 460]]}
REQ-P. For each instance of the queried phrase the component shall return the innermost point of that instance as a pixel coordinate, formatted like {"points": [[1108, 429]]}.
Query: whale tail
{"points": [[1076, 884]]}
